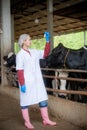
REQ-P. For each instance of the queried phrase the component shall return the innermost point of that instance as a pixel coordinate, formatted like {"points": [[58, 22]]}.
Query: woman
{"points": [[32, 89]]}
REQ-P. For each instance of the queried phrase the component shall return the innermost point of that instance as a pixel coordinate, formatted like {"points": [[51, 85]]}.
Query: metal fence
{"points": [[65, 78], [12, 79]]}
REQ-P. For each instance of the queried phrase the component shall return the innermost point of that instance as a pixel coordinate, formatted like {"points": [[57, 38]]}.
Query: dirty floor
{"points": [[11, 119]]}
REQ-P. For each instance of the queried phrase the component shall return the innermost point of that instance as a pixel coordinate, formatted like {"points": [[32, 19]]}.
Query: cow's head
{"points": [[10, 59], [56, 58]]}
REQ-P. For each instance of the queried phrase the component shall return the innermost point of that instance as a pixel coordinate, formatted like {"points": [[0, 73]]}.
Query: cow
{"points": [[10, 63], [10, 59], [62, 57]]}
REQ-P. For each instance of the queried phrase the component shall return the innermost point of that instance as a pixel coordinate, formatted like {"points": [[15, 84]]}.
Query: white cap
{"points": [[22, 38]]}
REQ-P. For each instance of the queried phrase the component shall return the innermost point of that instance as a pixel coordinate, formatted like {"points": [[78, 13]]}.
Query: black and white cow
{"points": [[62, 57], [10, 59], [10, 63]]}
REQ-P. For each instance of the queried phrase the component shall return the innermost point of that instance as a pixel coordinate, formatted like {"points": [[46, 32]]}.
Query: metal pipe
{"points": [[64, 70], [67, 91], [65, 78]]}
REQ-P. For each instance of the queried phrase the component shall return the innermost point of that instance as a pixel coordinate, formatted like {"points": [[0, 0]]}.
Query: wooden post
{"points": [[6, 35], [50, 21]]}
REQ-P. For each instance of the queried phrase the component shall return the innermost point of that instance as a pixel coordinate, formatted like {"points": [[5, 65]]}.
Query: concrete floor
{"points": [[11, 119]]}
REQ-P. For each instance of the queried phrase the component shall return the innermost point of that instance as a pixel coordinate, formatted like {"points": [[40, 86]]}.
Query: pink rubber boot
{"points": [[26, 118], [46, 120]]}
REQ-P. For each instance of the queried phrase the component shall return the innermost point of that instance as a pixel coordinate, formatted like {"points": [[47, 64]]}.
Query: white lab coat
{"points": [[35, 88]]}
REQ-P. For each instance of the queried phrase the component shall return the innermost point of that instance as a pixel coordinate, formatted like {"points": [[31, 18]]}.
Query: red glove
{"points": [[47, 49], [20, 74]]}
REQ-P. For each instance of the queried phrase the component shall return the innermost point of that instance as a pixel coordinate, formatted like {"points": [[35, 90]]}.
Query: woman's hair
{"points": [[22, 38]]}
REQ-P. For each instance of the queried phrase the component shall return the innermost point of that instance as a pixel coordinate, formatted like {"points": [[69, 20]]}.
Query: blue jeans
{"points": [[41, 104]]}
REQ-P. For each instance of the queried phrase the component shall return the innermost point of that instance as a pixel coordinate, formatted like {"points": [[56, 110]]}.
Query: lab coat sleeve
{"points": [[19, 62], [40, 54], [20, 69]]}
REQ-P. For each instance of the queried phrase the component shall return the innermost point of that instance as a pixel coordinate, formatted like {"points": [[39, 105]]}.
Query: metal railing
{"points": [[66, 78], [12, 77]]}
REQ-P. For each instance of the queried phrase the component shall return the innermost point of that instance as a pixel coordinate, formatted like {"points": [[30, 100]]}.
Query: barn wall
{"points": [[74, 112]]}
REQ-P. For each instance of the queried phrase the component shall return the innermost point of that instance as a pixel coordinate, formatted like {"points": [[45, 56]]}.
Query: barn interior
{"points": [[35, 17]]}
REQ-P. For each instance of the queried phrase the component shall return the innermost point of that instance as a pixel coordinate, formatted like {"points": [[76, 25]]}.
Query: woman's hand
{"points": [[47, 36], [23, 88]]}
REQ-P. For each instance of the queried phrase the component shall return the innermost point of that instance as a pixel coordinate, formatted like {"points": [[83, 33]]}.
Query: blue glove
{"points": [[47, 36], [23, 88]]}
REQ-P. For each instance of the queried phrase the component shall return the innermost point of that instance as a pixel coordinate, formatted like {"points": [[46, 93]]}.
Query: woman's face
{"points": [[27, 42]]}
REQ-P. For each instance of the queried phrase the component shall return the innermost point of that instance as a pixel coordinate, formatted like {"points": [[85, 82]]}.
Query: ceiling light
{"points": [[36, 21]]}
